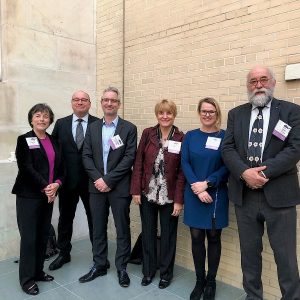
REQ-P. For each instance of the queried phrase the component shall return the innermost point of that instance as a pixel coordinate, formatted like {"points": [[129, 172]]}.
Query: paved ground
{"points": [[66, 285]]}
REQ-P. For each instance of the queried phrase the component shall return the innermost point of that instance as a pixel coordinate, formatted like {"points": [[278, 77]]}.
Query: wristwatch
{"points": [[209, 184]]}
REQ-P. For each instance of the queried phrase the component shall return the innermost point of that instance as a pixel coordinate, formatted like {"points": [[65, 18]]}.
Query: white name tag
{"points": [[174, 147], [282, 130], [116, 142], [33, 142], [213, 143]]}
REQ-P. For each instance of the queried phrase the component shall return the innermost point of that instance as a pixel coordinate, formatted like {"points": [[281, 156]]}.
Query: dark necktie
{"points": [[79, 134], [255, 140]]}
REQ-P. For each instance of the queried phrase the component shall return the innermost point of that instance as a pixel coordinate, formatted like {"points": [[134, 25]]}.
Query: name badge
{"points": [[282, 130], [115, 142], [33, 142], [174, 147], [213, 143]]}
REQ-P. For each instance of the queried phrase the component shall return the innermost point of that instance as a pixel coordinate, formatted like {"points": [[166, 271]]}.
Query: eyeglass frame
{"points": [[113, 101], [208, 112], [83, 100], [262, 80]]}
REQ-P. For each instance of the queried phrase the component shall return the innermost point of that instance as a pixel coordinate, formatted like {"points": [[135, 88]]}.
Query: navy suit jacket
{"points": [[72, 157], [119, 161], [33, 174], [280, 157]]}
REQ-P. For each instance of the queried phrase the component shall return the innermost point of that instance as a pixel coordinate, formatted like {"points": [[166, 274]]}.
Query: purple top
{"points": [[50, 155]]}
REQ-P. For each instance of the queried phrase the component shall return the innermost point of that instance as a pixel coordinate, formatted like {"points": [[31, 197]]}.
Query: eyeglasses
{"points": [[83, 100], [207, 112], [113, 101], [263, 81]]}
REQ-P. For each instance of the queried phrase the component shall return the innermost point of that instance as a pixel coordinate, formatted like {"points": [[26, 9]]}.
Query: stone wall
{"points": [[48, 52]]}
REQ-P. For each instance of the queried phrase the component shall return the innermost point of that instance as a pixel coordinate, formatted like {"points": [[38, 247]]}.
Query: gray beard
{"points": [[260, 100]]}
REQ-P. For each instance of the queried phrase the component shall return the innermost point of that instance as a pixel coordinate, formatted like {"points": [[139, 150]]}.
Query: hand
{"points": [[101, 186], [51, 190], [177, 209], [51, 199], [253, 177], [136, 199], [205, 197], [199, 187]]}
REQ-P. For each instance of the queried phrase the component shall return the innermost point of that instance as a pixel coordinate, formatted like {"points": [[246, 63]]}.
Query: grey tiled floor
{"points": [[66, 285]]}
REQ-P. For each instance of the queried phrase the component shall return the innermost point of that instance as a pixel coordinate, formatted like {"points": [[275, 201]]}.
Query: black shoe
{"points": [[44, 277], [92, 274], [164, 283], [59, 261], [124, 279], [30, 288], [210, 290], [198, 290], [146, 280]]}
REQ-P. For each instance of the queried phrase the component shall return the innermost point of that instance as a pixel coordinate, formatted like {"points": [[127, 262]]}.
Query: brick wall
{"points": [[109, 31], [189, 49]]}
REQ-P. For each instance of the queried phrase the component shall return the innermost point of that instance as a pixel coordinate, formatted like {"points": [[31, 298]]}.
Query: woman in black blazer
{"points": [[40, 174]]}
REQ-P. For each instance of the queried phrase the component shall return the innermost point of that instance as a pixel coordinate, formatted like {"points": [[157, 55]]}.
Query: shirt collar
{"points": [[85, 118], [267, 105], [115, 121]]}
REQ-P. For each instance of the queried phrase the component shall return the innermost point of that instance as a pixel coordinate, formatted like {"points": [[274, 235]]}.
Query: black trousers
{"points": [[120, 207], [68, 200], [34, 220], [168, 224], [281, 228]]}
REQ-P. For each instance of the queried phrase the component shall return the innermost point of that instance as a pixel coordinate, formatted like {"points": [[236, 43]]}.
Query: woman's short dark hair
{"points": [[43, 108]]}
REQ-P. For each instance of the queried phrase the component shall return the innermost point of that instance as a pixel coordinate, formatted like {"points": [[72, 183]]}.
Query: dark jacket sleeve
{"points": [[137, 174], [87, 157], [25, 163], [230, 155], [180, 181], [287, 157]]}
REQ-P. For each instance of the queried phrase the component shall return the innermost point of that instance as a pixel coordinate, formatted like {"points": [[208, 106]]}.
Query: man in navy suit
{"points": [[76, 184], [108, 155], [264, 187]]}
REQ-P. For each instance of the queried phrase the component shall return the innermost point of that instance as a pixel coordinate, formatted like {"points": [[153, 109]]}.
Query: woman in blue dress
{"points": [[205, 195]]}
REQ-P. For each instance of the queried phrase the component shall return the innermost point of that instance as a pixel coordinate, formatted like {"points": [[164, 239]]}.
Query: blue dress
{"points": [[198, 164]]}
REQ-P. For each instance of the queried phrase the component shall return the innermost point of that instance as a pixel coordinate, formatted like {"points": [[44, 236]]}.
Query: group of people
{"points": [[253, 163]]}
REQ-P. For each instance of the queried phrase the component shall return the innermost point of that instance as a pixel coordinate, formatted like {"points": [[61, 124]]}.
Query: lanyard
{"points": [[159, 134]]}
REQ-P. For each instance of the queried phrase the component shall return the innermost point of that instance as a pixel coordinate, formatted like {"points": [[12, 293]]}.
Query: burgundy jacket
{"points": [[143, 166]]}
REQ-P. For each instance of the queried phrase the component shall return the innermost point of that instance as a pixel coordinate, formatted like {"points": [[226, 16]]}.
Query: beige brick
{"points": [[194, 51]]}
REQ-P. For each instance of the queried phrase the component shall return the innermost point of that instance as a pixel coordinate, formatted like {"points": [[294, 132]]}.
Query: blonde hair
{"points": [[166, 106], [214, 103]]}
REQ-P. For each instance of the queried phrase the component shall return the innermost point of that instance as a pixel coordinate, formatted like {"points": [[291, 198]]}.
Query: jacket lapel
{"points": [[41, 149], [245, 126], [117, 132], [274, 117], [69, 132]]}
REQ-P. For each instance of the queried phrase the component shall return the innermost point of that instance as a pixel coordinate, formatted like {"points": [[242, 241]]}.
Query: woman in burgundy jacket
{"points": [[157, 186]]}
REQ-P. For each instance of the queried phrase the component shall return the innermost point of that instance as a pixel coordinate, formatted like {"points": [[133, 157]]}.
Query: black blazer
{"points": [[119, 161], [33, 174], [280, 157], [75, 172]]}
